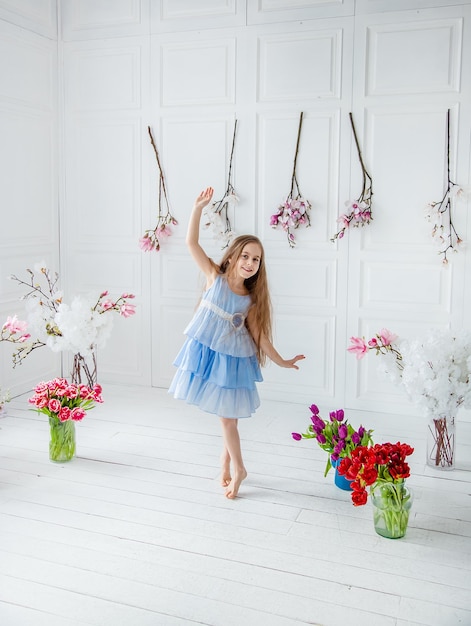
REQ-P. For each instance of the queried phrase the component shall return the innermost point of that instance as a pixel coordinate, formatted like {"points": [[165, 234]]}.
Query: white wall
{"points": [[188, 69], [29, 225]]}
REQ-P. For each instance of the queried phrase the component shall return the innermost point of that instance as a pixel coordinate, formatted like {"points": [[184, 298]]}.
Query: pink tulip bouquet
{"points": [[64, 404], [63, 401]]}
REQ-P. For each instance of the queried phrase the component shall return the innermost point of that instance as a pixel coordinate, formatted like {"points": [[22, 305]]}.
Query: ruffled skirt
{"points": [[217, 383]]}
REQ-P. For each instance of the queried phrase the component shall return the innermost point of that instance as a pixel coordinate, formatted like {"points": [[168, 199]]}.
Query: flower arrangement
{"points": [[337, 437], [372, 466], [358, 212], [382, 468], [435, 372], [153, 237], [294, 211], [217, 213], [439, 214], [291, 214], [64, 403], [80, 327]]}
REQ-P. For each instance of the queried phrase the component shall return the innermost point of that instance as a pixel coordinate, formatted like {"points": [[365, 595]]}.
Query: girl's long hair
{"points": [[257, 286]]}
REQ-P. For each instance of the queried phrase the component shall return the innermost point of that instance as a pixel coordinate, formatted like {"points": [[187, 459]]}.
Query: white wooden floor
{"points": [[136, 532]]}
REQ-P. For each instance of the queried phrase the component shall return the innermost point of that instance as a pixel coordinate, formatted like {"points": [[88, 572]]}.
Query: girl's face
{"points": [[248, 263]]}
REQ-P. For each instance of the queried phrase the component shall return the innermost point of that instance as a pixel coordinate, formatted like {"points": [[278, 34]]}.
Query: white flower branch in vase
{"points": [[435, 372]]}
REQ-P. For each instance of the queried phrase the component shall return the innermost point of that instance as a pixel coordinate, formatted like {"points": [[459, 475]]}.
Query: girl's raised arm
{"points": [[193, 233]]}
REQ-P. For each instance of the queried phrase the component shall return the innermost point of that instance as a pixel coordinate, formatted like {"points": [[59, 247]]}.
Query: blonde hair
{"points": [[257, 286]]}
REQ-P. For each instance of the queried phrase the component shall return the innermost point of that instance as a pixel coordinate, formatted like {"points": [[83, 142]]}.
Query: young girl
{"points": [[227, 340]]}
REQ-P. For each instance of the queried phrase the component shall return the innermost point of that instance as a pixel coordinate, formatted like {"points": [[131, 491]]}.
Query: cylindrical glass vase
{"points": [[391, 506], [62, 440], [441, 441]]}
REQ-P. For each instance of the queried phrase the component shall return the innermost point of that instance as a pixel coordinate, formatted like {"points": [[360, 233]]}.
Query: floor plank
{"points": [[136, 530]]}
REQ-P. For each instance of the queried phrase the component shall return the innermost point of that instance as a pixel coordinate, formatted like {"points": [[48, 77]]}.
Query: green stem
{"points": [[62, 440]]}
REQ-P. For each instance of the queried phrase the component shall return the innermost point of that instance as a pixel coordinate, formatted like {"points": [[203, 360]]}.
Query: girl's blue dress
{"points": [[217, 365]]}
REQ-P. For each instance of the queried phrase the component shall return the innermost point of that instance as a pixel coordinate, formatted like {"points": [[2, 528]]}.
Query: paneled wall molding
{"points": [[31, 79], [103, 76], [188, 69], [29, 164], [440, 75], [281, 76], [97, 19], [38, 16]]}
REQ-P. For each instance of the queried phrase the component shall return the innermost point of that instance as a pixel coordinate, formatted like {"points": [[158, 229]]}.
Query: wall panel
{"points": [[39, 16], [266, 11], [178, 15], [28, 162], [377, 6], [284, 73], [106, 189], [314, 336], [409, 70], [103, 78], [106, 153], [186, 67], [406, 149], [317, 172], [33, 83], [97, 19], [417, 57]]}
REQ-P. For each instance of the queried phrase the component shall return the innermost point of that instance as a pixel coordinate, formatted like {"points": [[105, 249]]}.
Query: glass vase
{"points": [[84, 369], [441, 442], [391, 506], [62, 440]]}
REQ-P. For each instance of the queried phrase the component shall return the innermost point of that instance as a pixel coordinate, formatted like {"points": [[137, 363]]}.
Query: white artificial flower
{"points": [[437, 370]]}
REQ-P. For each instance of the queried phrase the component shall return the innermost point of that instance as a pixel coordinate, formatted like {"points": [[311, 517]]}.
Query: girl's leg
{"points": [[230, 433], [225, 467]]}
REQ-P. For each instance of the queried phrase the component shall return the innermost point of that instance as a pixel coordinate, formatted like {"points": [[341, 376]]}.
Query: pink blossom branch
{"points": [[152, 237]]}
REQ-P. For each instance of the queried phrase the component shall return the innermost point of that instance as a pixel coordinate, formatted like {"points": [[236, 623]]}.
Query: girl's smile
{"points": [[249, 261]]}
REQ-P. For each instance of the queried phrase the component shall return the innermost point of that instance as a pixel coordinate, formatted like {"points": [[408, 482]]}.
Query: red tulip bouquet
{"points": [[382, 468]]}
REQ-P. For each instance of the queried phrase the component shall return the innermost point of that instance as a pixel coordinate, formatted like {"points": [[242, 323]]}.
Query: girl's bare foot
{"points": [[233, 488], [225, 477], [225, 469]]}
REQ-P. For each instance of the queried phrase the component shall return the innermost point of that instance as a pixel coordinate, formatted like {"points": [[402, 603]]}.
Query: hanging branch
{"points": [[217, 215], [294, 212], [360, 211], [439, 213], [152, 237]]}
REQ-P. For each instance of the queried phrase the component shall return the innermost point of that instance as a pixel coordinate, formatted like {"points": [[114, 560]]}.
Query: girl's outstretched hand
{"points": [[204, 198], [291, 363]]}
